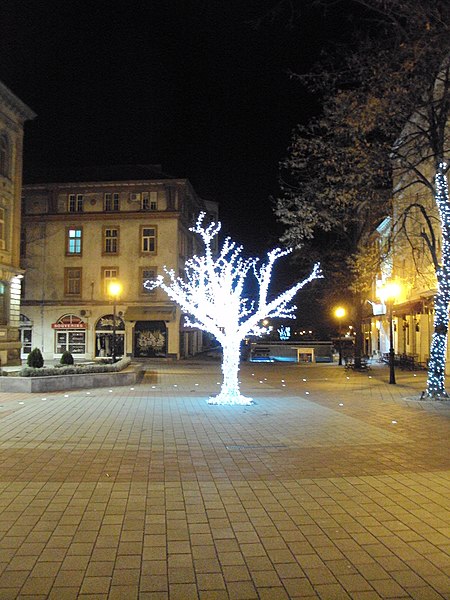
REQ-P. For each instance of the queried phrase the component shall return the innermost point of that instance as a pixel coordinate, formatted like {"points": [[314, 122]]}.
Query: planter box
{"points": [[54, 383]]}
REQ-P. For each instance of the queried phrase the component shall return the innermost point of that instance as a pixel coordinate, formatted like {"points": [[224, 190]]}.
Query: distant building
{"points": [[84, 229], [13, 114]]}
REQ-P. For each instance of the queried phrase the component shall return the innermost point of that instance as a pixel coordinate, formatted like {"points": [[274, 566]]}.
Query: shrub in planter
{"points": [[75, 369], [35, 359], [66, 358]]}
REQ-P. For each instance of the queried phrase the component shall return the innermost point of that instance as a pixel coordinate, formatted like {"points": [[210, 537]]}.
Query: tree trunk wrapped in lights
{"points": [[438, 349], [212, 294]]}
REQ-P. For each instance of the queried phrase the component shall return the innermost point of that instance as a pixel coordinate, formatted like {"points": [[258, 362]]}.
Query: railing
{"points": [[406, 362]]}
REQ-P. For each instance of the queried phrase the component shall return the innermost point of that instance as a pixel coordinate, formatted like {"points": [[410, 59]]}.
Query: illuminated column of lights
{"points": [[438, 350], [211, 292]]}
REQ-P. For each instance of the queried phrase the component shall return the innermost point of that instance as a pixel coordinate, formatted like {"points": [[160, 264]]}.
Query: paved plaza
{"points": [[333, 485]]}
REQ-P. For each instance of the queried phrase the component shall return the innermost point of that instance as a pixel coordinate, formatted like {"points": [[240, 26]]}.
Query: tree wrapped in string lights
{"points": [[212, 294], [438, 348]]}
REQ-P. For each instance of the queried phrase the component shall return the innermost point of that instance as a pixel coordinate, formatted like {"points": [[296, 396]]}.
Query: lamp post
{"points": [[388, 295], [339, 313], [114, 289]]}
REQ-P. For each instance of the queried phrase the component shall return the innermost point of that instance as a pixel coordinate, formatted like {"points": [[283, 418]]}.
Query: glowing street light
{"points": [[388, 294], [114, 289], [339, 313]]}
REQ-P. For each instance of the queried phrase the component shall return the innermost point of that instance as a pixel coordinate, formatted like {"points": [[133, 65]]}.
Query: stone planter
{"points": [[54, 383]]}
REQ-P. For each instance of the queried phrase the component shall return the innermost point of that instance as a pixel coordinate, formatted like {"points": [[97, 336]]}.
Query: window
{"points": [[72, 281], [2, 229], [149, 201], [70, 334], [110, 240], [148, 239], [109, 274], [75, 203], [74, 239], [104, 336], [26, 334], [4, 155], [111, 201], [23, 243], [3, 303], [182, 244], [148, 273]]}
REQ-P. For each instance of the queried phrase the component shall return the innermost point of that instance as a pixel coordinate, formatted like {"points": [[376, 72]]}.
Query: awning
{"points": [[150, 313], [408, 308]]}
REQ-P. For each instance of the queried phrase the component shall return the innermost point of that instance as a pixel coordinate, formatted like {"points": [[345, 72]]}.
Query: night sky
{"points": [[193, 85]]}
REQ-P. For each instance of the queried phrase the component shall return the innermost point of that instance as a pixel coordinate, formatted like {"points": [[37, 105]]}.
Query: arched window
{"points": [[104, 336], [70, 334], [4, 155]]}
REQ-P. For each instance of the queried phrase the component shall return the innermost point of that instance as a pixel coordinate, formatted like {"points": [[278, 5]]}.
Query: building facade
{"points": [[410, 264], [412, 311], [80, 233], [13, 114]]}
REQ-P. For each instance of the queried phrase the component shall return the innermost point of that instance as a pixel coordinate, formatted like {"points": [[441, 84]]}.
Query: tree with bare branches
{"points": [[386, 115]]}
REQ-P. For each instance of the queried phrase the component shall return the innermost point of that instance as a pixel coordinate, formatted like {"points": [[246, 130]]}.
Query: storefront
{"points": [[70, 335], [150, 339], [104, 336]]}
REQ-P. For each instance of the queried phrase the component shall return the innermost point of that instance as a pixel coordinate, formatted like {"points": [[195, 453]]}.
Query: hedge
{"points": [[75, 369]]}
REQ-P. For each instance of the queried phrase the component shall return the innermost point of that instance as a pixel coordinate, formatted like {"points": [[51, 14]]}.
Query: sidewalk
{"points": [[333, 485]]}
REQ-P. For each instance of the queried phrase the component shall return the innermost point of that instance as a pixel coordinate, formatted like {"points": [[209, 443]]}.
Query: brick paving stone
{"points": [[331, 591], [150, 493], [65, 593]]}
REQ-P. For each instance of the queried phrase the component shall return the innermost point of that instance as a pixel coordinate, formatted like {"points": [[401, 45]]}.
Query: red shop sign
{"points": [[69, 325]]}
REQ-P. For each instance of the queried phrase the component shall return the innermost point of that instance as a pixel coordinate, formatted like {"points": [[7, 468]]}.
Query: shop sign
{"points": [[69, 325]]}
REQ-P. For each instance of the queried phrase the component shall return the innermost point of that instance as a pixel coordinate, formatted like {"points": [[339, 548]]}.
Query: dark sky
{"points": [[192, 85]]}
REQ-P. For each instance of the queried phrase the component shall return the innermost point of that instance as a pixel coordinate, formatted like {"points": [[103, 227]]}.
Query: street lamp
{"points": [[339, 313], [388, 294], [114, 290]]}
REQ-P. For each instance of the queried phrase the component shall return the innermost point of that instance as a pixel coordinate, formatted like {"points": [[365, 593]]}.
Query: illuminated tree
{"points": [[211, 292]]}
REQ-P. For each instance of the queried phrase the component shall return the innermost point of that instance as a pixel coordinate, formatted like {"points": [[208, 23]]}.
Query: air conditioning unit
{"points": [[135, 197]]}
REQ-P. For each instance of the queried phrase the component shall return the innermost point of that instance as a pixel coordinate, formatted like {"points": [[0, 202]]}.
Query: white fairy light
{"points": [[211, 292]]}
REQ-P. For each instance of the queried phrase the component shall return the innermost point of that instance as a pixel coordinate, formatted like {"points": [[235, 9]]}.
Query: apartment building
{"points": [[13, 115], [87, 228]]}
